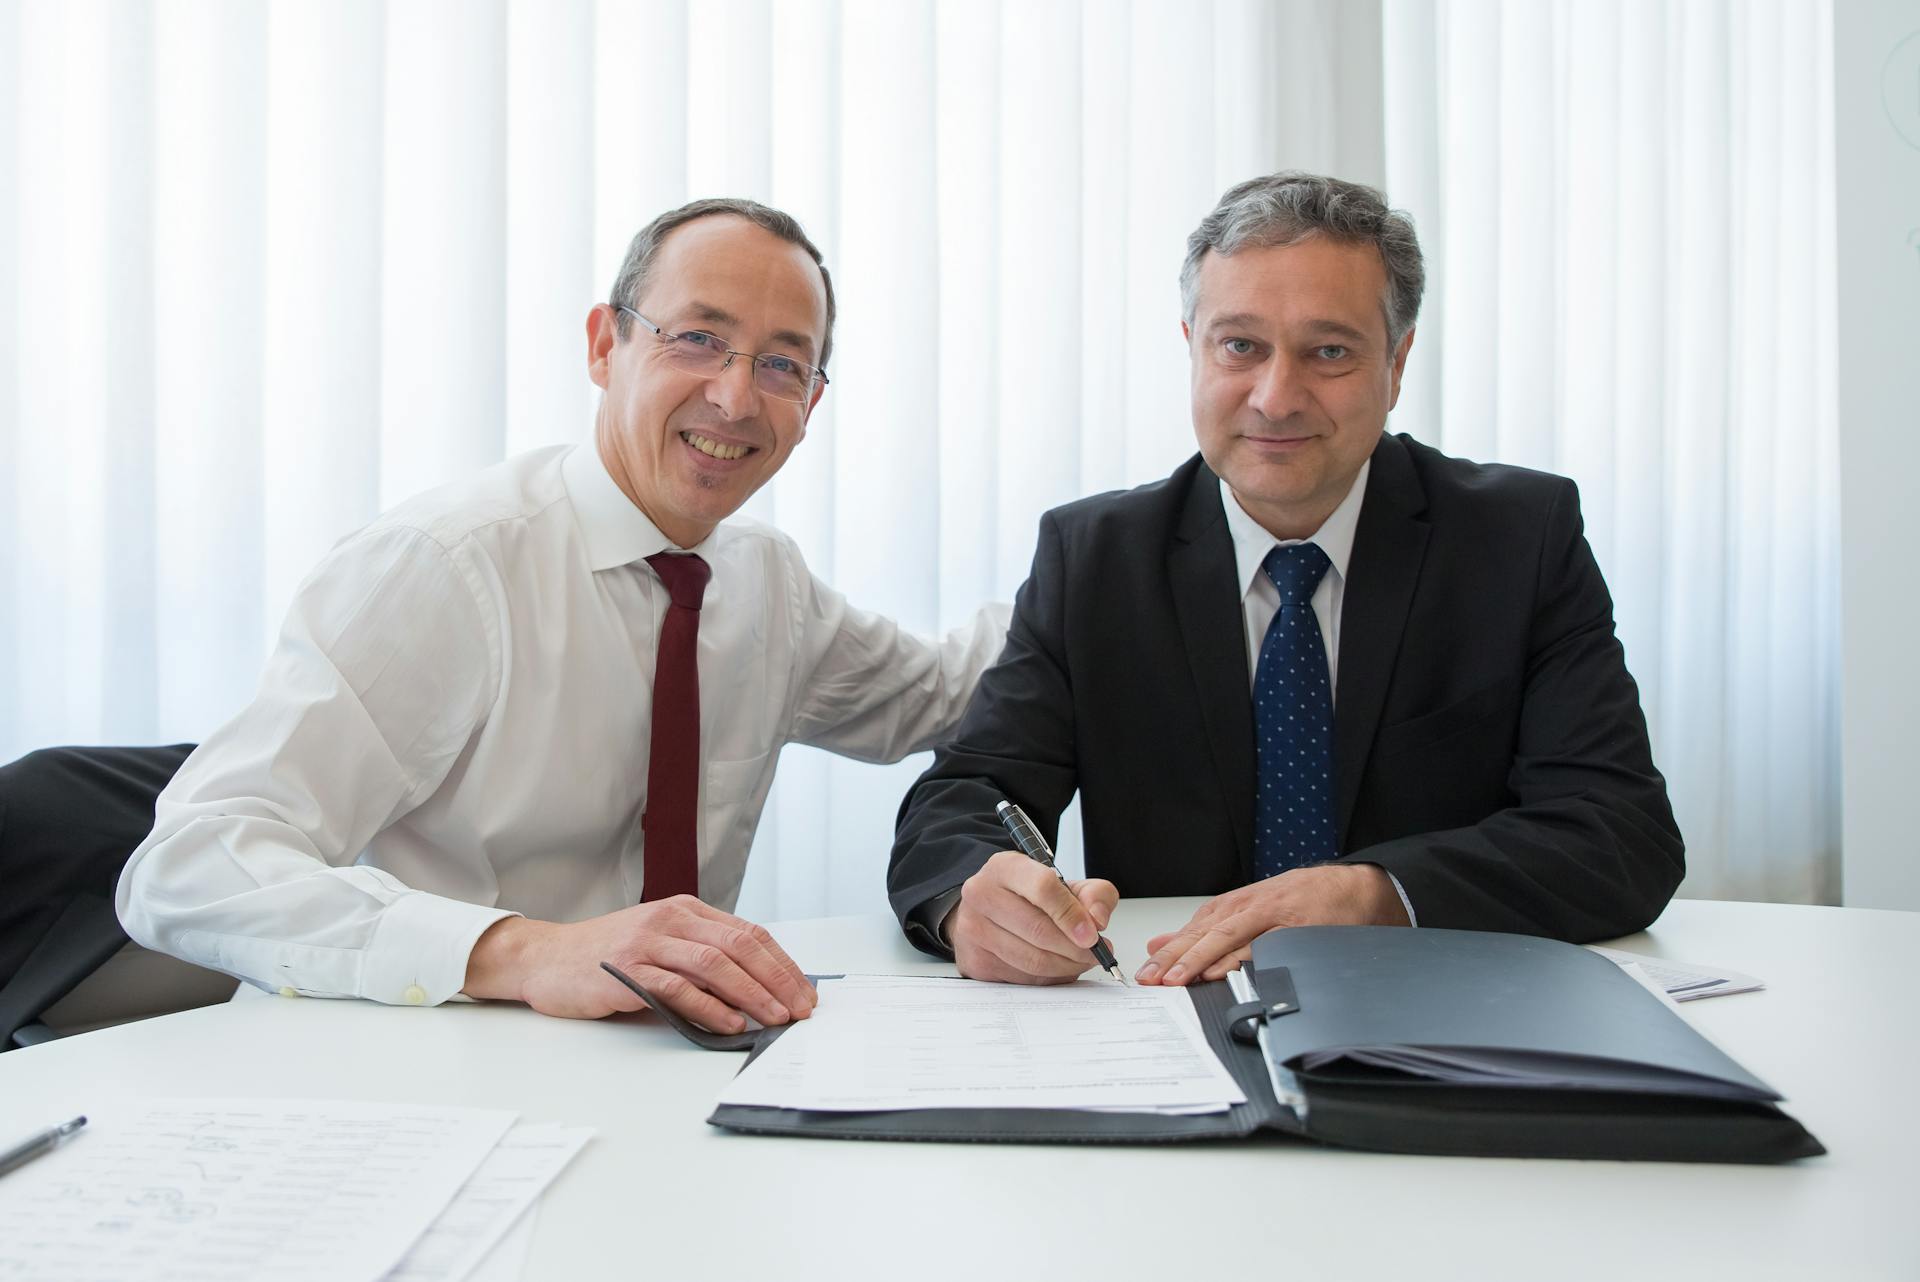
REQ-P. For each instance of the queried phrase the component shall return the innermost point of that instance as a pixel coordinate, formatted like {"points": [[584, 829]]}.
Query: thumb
{"points": [[1099, 897]]}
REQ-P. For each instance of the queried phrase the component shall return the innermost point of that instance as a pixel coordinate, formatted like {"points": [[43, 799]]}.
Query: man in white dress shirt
{"points": [[461, 773]]}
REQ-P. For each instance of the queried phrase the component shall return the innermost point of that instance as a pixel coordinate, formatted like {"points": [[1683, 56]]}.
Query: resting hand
{"points": [[707, 965], [1220, 936], [1018, 924]]}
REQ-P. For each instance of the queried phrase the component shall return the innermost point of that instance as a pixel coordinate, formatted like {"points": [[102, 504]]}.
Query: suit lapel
{"points": [[1200, 566], [1389, 545]]}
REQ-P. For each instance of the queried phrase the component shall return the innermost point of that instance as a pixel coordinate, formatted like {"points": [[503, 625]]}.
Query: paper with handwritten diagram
{"points": [[901, 1042], [235, 1190], [491, 1203]]}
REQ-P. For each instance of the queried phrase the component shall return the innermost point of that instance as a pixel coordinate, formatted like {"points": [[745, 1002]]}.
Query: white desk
{"points": [[661, 1195]]}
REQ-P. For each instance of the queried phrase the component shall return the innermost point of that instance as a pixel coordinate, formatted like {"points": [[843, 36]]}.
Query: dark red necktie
{"points": [[671, 819]]}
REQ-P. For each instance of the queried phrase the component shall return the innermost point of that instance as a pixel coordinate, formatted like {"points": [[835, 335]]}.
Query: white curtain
{"points": [[273, 267], [1628, 215]]}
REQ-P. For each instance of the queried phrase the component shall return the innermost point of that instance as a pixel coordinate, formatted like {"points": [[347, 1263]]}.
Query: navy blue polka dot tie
{"points": [[1293, 723]]}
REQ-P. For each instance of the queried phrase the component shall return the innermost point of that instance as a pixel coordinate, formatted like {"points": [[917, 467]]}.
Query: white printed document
{"points": [[880, 1042], [496, 1200], [236, 1190], [1681, 981]]}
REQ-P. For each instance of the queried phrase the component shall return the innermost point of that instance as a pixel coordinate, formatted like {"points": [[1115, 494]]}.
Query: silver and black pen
{"points": [[45, 1142], [1035, 847]]}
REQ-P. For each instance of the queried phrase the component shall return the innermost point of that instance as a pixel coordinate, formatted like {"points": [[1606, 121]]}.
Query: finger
{"points": [[1170, 948], [1004, 895], [1039, 886], [1214, 943], [1232, 961], [1163, 949], [1100, 897], [687, 999], [752, 949], [710, 968], [1028, 963]]}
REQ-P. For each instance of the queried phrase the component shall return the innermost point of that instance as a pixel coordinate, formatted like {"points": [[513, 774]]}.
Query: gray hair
{"points": [[638, 264], [1288, 207]]}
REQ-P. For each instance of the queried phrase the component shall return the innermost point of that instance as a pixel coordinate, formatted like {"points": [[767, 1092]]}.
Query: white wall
{"points": [[1876, 50]]}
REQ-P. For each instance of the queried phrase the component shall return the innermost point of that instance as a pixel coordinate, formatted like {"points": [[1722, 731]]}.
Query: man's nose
{"points": [[732, 390], [1280, 391]]}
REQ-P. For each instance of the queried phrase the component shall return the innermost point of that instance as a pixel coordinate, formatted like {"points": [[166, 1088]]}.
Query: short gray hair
{"points": [[1288, 207], [634, 269]]}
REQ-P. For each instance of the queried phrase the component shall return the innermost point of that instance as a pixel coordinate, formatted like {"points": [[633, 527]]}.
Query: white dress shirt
{"points": [[1260, 599], [453, 728]]}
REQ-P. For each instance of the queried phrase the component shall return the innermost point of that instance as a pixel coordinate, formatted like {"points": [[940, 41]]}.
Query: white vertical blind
{"points": [[270, 268], [1632, 205]]}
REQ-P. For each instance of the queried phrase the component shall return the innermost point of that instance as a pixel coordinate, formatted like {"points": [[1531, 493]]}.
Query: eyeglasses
{"points": [[699, 352]]}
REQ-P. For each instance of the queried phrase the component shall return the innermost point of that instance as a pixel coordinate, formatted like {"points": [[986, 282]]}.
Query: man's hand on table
{"points": [[1016, 923], [707, 965], [1220, 936]]}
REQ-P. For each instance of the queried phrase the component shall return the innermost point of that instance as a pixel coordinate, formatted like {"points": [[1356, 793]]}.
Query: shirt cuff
{"points": [[1401, 891], [418, 956]]}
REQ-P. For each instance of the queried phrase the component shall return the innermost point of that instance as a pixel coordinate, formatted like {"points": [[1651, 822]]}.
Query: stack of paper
{"points": [[241, 1189], [879, 1042], [1680, 981]]}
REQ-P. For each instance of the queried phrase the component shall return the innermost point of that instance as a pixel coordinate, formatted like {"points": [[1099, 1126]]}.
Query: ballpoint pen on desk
{"points": [[45, 1142], [1035, 847]]}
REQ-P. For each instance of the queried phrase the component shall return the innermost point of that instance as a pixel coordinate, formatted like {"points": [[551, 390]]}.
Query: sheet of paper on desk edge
{"points": [[1683, 981], [491, 1203], [201, 1188], [884, 1042]]}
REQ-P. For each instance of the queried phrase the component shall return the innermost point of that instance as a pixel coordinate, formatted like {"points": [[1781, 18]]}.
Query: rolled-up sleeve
{"points": [[387, 664]]}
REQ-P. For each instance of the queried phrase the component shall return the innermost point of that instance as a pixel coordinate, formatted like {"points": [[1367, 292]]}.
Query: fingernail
{"points": [[781, 1014], [1148, 971], [1177, 974], [1084, 934]]}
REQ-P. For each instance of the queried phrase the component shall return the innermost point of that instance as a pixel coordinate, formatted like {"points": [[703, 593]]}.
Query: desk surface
{"points": [[659, 1194]]}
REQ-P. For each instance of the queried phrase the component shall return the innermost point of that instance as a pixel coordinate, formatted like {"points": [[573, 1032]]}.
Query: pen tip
{"points": [[1116, 973]]}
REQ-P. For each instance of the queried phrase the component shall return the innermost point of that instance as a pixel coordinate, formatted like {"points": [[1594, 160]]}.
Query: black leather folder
{"points": [[1445, 1042]]}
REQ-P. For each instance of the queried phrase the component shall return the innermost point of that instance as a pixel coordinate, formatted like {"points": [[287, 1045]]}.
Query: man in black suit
{"points": [[1323, 674]]}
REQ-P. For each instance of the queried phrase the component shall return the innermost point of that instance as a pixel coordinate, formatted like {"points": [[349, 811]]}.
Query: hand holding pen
{"points": [[1018, 922]]}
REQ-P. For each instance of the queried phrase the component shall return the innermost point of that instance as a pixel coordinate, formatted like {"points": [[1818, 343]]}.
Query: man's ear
{"points": [[1399, 367], [602, 334], [1186, 334]]}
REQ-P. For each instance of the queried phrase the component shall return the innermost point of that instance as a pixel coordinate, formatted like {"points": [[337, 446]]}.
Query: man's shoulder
{"points": [[1149, 510], [1466, 477], [743, 539], [1453, 486], [523, 488]]}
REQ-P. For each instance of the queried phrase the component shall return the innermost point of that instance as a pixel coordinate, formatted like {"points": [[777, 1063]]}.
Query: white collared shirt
{"points": [[453, 728], [1260, 599]]}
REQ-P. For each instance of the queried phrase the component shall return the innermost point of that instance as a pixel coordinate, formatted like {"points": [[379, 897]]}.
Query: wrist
{"points": [[497, 966], [1382, 905]]}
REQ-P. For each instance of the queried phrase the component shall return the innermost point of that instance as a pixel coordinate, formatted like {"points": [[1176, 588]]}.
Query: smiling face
{"points": [[1292, 375], [687, 450]]}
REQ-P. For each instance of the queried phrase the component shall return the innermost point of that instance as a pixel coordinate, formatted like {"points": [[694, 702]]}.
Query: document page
{"points": [[880, 1042], [216, 1190], [498, 1197], [1681, 981]]}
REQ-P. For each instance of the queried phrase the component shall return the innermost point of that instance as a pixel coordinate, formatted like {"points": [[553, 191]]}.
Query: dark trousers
{"points": [[69, 817]]}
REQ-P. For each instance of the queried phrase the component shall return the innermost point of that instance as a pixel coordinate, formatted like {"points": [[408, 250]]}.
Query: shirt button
{"points": [[414, 996], [286, 990]]}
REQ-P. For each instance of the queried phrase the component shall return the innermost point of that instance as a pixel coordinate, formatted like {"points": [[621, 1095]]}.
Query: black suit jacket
{"points": [[1489, 748]]}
